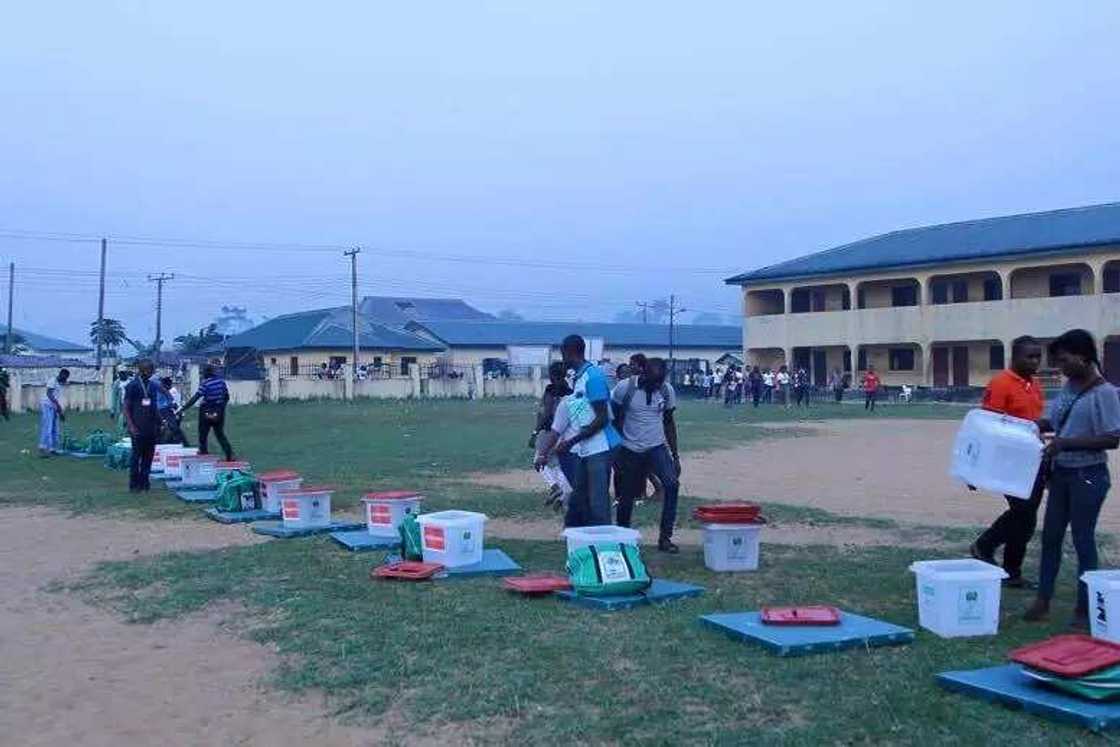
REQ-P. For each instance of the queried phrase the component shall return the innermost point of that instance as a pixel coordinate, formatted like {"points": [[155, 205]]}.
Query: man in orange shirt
{"points": [[871, 383], [1015, 392]]}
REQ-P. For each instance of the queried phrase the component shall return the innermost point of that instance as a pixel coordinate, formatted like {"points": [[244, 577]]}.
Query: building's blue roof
{"points": [[1029, 233], [398, 311], [502, 333], [326, 328], [39, 342]]}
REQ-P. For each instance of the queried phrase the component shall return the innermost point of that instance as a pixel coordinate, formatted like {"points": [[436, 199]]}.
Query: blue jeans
{"points": [[636, 468], [1076, 497], [590, 502]]}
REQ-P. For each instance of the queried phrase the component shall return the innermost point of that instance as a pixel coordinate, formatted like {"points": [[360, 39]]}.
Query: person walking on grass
{"points": [[644, 407], [1084, 420], [594, 443], [871, 384], [782, 383], [1017, 393], [754, 381], [212, 413], [168, 403], [5, 382], [801, 386], [767, 387], [140, 408], [836, 384], [51, 415], [555, 391]]}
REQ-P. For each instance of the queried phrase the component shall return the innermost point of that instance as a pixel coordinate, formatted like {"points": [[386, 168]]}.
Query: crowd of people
{"points": [[785, 386], [592, 431]]}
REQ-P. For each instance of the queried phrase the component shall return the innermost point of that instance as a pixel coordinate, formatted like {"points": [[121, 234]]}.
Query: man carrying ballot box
{"points": [[1015, 392]]}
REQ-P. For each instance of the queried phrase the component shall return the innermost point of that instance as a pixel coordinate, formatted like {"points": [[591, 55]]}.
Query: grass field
{"points": [[465, 658]]}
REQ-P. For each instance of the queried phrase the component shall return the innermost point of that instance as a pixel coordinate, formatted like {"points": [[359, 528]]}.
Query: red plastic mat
{"points": [[540, 583], [814, 614], [727, 513], [392, 495], [278, 475], [406, 570], [1071, 655]]}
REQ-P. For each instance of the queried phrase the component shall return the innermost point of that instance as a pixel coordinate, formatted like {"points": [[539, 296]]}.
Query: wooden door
{"points": [[941, 366], [960, 366]]}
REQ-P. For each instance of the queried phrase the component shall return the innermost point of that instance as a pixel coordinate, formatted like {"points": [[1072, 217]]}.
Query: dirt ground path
{"points": [[74, 674], [890, 469]]}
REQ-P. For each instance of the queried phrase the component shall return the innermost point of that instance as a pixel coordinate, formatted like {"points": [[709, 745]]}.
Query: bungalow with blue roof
{"points": [[939, 305]]}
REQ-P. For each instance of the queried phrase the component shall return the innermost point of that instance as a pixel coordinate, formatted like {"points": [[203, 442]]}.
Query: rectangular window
{"points": [[902, 359], [1065, 284], [940, 292], [799, 301], [993, 289], [960, 291], [407, 362], [293, 366], [1111, 281], [861, 299], [904, 295], [846, 300], [995, 357], [861, 360], [816, 300]]}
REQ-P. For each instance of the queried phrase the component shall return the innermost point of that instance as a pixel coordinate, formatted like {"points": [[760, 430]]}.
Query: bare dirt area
{"points": [[75, 674], [891, 469]]}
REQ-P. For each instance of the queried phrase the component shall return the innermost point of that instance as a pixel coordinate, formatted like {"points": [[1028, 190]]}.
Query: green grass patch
{"points": [[373, 445], [468, 655]]}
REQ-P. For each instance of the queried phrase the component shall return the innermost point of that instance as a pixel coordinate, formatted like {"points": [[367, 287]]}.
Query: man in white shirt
{"points": [[644, 407]]}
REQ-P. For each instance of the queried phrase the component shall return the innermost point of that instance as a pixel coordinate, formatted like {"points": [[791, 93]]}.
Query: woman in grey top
{"points": [[1085, 422]]}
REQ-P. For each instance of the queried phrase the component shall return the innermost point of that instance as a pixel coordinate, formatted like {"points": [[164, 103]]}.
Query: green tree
{"points": [[207, 337], [110, 334]]}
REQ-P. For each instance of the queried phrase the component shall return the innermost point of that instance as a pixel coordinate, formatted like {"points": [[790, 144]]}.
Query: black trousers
{"points": [[140, 465], [1013, 530], [4, 405], [173, 428], [869, 400], [218, 426]]}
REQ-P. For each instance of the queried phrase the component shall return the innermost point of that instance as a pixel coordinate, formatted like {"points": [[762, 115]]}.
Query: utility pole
{"points": [[645, 310], [159, 281], [101, 305], [353, 255], [673, 312], [11, 294]]}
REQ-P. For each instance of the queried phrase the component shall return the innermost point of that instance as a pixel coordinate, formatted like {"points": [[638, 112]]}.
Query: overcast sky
{"points": [[560, 159]]}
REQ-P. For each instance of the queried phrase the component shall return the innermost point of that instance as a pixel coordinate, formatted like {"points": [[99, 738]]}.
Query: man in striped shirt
{"points": [[212, 413]]}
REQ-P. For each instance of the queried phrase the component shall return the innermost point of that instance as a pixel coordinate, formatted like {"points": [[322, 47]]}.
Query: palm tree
{"points": [[109, 334], [206, 337]]}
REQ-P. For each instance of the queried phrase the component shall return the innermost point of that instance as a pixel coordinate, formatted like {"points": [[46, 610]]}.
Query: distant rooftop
{"points": [[43, 343], [396, 311], [326, 328], [1028, 233], [501, 333]]}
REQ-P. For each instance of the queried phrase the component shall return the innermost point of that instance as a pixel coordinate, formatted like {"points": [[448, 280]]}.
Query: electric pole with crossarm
{"points": [[159, 280]]}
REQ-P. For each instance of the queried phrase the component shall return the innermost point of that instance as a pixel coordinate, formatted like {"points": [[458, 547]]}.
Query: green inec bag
{"points": [[98, 442], [411, 549], [607, 569], [238, 491]]}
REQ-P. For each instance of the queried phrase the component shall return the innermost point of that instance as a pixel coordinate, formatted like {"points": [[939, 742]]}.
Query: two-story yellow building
{"points": [[939, 305]]}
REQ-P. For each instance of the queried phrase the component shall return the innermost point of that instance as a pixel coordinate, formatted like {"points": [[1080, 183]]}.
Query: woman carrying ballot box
{"points": [[1085, 422]]}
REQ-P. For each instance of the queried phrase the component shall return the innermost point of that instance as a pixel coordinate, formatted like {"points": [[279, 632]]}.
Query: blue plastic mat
{"points": [[658, 592], [494, 563], [83, 455], [172, 483], [197, 496], [240, 517], [277, 528], [798, 640], [1007, 685], [360, 540]]}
